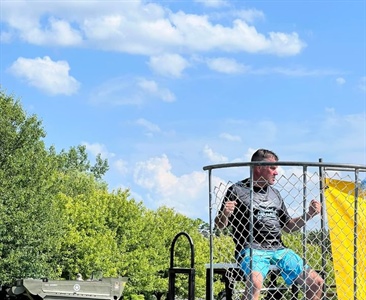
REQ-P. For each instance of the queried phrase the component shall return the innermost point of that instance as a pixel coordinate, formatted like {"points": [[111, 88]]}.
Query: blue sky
{"points": [[163, 88]]}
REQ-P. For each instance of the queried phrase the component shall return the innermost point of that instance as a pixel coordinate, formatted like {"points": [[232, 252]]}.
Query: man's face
{"points": [[266, 175]]}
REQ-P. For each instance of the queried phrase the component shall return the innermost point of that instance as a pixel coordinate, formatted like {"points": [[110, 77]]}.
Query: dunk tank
{"points": [[333, 242]]}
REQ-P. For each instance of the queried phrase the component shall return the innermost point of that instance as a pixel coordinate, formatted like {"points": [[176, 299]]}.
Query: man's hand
{"points": [[222, 218], [314, 208], [229, 208]]}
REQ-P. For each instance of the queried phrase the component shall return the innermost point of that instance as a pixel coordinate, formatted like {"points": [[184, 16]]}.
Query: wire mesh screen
{"points": [[332, 243]]}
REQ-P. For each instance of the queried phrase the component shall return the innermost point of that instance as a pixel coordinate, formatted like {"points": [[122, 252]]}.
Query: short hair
{"points": [[263, 154]]}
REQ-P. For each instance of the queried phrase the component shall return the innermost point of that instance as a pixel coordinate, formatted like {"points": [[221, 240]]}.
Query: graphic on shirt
{"points": [[265, 214]]}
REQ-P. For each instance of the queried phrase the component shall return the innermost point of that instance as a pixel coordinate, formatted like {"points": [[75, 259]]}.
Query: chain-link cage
{"points": [[333, 242]]}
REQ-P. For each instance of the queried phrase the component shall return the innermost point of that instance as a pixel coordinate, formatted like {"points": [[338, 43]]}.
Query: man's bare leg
{"points": [[314, 285], [253, 286]]}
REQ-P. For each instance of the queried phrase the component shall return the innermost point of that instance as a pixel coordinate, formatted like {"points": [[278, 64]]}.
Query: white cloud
{"points": [[58, 32], [340, 81], [152, 88], [230, 137], [249, 15], [226, 65], [294, 72], [130, 91], [187, 194], [362, 84], [284, 44], [121, 166], [5, 37], [149, 126], [246, 15], [96, 148], [38, 25], [138, 28], [201, 35], [213, 3], [168, 64], [51, 77], [214, 156], [160, 168]]}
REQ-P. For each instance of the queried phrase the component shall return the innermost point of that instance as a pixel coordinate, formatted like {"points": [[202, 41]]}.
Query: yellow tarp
{"points": [[340, 204]]}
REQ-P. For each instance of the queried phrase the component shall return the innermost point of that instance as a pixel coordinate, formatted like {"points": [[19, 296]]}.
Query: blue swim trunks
{"points": [[287, 261]]}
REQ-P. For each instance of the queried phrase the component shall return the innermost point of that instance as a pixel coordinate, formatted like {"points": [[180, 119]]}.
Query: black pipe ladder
{"points": [[189, 271]]}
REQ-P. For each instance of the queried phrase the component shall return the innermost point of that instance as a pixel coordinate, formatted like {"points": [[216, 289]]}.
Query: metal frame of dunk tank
{"points": [[347, 172]]}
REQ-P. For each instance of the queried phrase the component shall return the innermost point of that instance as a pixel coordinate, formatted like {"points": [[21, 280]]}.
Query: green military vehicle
{"points": [[38, 289]]}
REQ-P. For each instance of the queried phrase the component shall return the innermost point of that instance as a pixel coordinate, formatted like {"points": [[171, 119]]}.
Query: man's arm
{"points": [[222, 219], [295, 224]]}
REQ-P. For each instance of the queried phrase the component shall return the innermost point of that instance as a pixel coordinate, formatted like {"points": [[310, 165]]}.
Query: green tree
{"points": [[126, 219], [30, 231], [88, 244], [76, 159]]}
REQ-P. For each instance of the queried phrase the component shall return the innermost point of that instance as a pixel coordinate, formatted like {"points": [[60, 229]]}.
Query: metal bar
{"points": [[286, 163], [322, 221], [251, 229], [355, 235], [211, 232], [303, 236]]}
